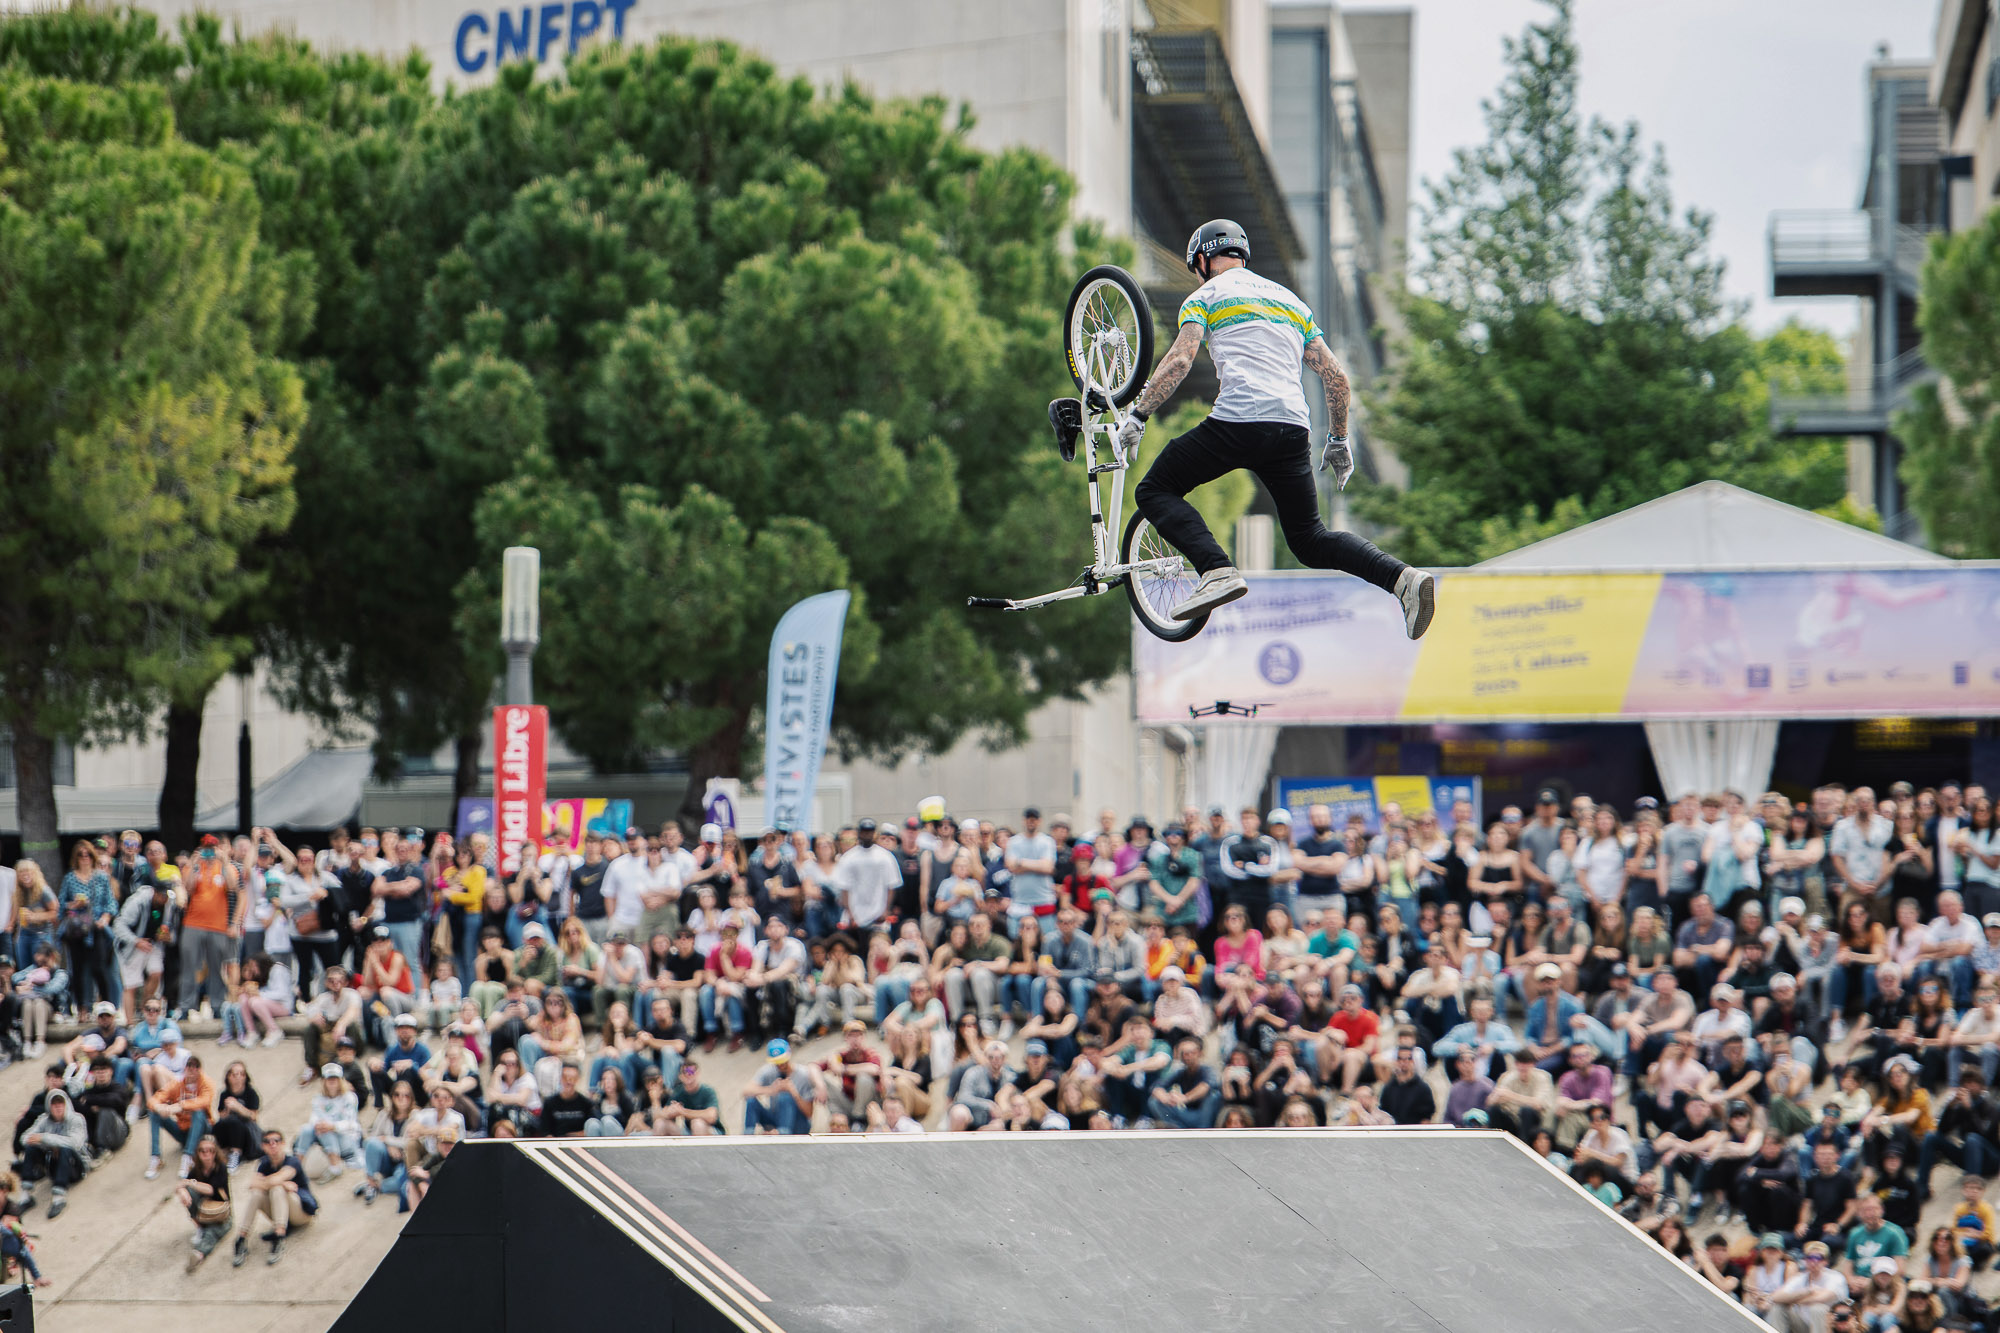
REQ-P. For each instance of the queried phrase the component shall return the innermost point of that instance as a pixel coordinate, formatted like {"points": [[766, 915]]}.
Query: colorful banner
{"points": [[1326, 648], [565, 823], [520, 780], [805, 659], [1368, 797]]}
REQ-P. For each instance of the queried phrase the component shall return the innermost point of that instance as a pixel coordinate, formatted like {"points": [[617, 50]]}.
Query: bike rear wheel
{"points": [[1154, 595], [1108, 333]]}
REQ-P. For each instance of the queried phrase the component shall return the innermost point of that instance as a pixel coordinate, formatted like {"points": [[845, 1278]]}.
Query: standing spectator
{"points": [[1858, 853], [210, 926], [35, 913], [93, 906], [404, 900], [866, 879]]}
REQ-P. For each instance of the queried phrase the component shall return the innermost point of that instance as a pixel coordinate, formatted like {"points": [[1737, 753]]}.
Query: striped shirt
{"points": [[1257, 333]]}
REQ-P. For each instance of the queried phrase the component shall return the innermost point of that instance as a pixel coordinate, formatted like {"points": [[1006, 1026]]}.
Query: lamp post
{"points": [[520, 619]]}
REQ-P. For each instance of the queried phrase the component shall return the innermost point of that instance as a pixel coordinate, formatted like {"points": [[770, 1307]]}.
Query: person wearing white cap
{"points": [[333, 1125], [1285, 874]]}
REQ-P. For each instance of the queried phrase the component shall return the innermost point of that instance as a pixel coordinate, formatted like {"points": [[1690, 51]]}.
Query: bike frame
{"points": [[1100, 434]]}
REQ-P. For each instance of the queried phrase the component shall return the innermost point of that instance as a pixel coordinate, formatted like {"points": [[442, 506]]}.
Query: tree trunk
{"points": [[465, 778], [178, 792], [35, 794], [720, 756]]}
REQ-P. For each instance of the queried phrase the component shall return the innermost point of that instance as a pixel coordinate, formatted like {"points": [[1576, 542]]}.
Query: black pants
{"points": [[235, 1133], [1280, 456], [60, 1166]]}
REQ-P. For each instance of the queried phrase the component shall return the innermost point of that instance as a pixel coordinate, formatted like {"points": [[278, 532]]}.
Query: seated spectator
{"points": [[1189, 1093], [1356, 1035], [693, 1108], [1767, 1276], [402, 1058], [113, 1043], [204, 1193], [621, 967], [853, 1076], [333, 1013], [1584, 1084], [276, 1190], [891, 1117], [554, 1038], [979, 969], [1902, 1115], [778, 967], [1406, 1096], [333, 1125], [1954, 934], [1967, 1133], [612, 1106], [1977, 1230], [725, 989], [183, 1110], [916, 1027], [1895, 1184], [780, 1099], [1133, 1067], [1523, 1099], [1178, 1011], [1724, 1018], [52, 1149], [1977, 1034], [1484, 1035], [567, 1110], [1874, 1237], [40, 991], [1947, 1269], [102, 1102], [456, 1070], [383, 1150], [1804, 1304], [974, 1102], [1608, 1148], [439, 1003], [514, 1096], [1431, 995], [1470, 1088], [433, 1132], [388, 987], [1766, 1190]]}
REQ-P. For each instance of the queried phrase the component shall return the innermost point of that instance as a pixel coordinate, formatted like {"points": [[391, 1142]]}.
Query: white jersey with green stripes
{"points": [[1257, 333]]}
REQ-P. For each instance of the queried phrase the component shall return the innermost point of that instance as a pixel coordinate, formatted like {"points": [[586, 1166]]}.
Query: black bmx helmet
{"points": [[1220, 237]]}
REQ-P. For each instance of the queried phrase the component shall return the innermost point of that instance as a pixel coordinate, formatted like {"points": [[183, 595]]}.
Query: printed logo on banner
{"points": [[802, 668], [1279, 663]]}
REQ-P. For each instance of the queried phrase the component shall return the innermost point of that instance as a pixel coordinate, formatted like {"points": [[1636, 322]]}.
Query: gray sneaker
{"points": [[1417, 591], [1217, 587]]}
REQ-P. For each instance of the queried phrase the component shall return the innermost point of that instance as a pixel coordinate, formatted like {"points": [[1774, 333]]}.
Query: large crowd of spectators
{"points": [[1783, 1013]]}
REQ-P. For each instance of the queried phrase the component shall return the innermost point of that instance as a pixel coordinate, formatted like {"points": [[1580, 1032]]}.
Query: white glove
{"points": [[1334, 455], [1130, 432]]}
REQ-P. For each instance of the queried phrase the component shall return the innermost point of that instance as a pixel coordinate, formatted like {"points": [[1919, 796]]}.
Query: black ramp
{"points": [[1138, 1233]]}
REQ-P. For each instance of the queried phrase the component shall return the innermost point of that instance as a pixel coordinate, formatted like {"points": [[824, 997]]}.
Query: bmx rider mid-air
{"points": [[1258, 334]]}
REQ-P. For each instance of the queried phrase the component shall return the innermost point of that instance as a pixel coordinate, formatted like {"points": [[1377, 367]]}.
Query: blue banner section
{"points": [[1366, 797], [805, 658]]}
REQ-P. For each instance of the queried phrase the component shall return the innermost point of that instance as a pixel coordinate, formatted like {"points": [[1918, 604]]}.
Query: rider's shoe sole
{"points": [[1202, 605], [1426, 607]]}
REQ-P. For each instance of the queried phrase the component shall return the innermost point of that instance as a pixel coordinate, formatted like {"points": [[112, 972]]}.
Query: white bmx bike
{"points": [[1108, 340]]}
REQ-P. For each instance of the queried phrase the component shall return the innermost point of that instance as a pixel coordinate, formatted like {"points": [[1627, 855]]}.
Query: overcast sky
{"points": [[1759, 104]]}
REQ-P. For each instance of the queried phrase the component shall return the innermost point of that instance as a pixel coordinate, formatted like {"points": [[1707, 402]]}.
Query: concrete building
{"points": [[1294, 120], [1965, 89]]}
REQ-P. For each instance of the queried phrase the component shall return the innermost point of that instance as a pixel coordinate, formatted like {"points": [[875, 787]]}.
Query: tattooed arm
{"points": [[1334, 379], [1173, 368]]}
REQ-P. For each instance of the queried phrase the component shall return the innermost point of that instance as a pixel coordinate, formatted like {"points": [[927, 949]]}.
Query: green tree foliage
{"points": [[1568, 351], [1951, 434], [146, 427]]}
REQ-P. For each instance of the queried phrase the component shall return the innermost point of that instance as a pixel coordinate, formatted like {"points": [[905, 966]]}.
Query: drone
{"points": [[1222, 708]]}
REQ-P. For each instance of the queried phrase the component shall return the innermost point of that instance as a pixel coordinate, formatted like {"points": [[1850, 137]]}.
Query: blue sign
{"points": [[533, 31], [805, 659], [1279, 662]]}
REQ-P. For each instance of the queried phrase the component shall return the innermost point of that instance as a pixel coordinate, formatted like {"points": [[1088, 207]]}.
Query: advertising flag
{"points": [[805, 658], [520, 780]]}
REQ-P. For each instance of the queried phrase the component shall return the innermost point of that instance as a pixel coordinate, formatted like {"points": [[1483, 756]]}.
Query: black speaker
{"points": [[17, 1309]]}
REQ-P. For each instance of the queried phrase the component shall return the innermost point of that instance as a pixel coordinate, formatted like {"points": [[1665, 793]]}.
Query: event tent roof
{"points": [[1714, 525], [321, 789]]}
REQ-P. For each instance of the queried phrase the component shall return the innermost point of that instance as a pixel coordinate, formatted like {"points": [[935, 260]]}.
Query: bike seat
{"points": [[1066, 419]]}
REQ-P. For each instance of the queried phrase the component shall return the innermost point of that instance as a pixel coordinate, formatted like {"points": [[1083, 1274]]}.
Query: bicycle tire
{"points": [[1095, 298], [1151, 598]]}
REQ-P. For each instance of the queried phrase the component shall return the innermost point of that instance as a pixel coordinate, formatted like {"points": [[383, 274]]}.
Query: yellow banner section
{"points": [[1531, 645], [1412, 794]]}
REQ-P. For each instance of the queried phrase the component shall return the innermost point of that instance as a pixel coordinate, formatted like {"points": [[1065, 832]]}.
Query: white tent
{"points": [[1713, 526]]}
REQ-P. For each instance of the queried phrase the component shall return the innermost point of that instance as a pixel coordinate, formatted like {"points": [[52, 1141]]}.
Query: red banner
{"points": [[520, 780]]}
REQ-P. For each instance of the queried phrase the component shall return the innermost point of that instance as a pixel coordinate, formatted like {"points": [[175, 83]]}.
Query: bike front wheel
{"points": [[1108, 334], [1155, 593]]}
